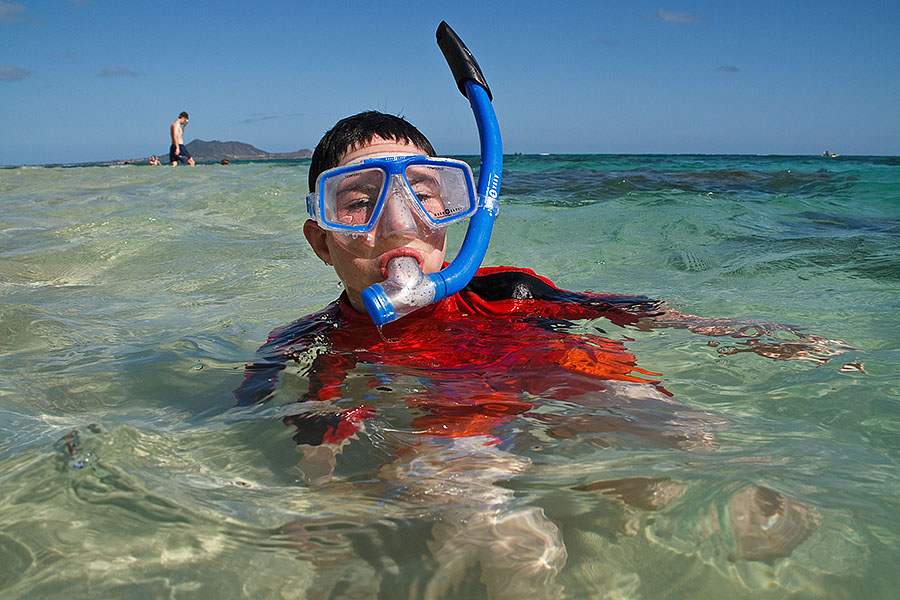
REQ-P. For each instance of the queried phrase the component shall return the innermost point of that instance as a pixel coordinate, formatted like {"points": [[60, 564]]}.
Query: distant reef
{"points": [[215, 151]]}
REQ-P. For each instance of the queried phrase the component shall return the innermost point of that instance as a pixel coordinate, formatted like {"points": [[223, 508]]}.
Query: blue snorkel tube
{"points": [[407, 288]]}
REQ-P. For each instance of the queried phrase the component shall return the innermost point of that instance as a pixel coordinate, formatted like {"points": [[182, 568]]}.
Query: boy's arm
{"points": [[259, 380], [288, 343], [322, 434], [772, 340], [501, 285], [316, 426]]}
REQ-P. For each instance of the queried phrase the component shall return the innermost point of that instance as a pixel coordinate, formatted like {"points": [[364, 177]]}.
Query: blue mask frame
{"points": [[390, 166]]}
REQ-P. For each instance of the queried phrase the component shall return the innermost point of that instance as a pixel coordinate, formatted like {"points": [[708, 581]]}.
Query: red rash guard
{"points": [[483, 355]]}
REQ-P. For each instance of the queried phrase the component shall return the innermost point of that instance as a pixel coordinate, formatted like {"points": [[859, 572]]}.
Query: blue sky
{"points": [[90, 80]]}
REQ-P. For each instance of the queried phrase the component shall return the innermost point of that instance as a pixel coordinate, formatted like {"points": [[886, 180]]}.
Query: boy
{"points": [[509, 294], [518, 298], [457, 394]]}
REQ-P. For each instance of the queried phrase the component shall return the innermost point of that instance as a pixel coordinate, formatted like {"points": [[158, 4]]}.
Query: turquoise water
{"points": [[132, 297]]}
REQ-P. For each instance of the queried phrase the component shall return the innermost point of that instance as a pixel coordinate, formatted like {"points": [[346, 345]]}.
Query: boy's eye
{"points": [[356, 206], [356, 196], [428, 191], [429, 184]]}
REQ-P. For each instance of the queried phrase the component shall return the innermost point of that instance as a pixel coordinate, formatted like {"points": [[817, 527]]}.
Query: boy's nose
{"points": [[398, 216]]}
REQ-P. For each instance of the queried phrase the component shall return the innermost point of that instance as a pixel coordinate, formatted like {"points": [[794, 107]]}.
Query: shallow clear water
{"points": [[132, 297]]}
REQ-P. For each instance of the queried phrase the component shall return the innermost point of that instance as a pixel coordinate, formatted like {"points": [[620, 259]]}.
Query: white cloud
{"points": [[676, 17], [118, 72], [8, 73], [728, 69], [11, 12], [257, 117]]}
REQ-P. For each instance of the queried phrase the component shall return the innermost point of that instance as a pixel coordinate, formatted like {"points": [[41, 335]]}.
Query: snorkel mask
{"points": [[407, 288], [393, 194]]}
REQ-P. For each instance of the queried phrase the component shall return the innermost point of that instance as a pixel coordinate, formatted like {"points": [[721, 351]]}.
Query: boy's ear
{"points": [[315, 235]]}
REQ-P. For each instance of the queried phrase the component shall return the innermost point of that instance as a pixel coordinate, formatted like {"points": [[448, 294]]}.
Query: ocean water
{"points": [[131, 298]]}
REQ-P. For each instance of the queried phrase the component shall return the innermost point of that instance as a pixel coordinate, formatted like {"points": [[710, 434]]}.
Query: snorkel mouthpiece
{"points": [[407, 288]]}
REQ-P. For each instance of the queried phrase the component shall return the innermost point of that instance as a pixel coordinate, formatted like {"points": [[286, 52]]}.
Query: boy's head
{"points": [[361, 260]]}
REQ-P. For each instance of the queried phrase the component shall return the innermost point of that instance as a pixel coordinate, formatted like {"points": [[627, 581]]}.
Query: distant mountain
{"points": [[215, 151]]}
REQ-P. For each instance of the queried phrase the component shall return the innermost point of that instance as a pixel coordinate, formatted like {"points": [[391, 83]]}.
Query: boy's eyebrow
{"points": [[353, 182], [425, 179], [371, 174], [421, 174], [361, 172], [357, 185]]}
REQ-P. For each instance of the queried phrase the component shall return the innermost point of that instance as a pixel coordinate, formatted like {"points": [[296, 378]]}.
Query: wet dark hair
{"points": [[183, 114], [357, 131]]}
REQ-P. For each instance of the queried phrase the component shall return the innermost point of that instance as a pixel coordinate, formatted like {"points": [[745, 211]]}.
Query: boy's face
{"points": [[361, 261]]}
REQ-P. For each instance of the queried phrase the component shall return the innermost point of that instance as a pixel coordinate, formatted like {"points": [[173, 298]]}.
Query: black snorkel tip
{"points": [[462, 64]]}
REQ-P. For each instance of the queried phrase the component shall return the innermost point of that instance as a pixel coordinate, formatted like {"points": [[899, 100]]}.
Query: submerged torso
{"points": [[505, 346]]}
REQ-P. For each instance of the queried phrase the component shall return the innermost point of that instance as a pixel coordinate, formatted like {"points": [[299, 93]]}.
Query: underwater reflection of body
{"points": [[453, 398]]}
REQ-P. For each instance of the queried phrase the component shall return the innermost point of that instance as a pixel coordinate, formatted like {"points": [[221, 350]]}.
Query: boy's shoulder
{"points": [[304, 331], [509, 283], [506, 290]]}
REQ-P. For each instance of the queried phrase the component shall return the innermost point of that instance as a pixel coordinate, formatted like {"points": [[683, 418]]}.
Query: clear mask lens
{"points": [[439, 192], [353, 198]]}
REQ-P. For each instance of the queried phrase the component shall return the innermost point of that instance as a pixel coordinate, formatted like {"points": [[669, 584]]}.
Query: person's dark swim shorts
{"points": [[183, 157]]}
